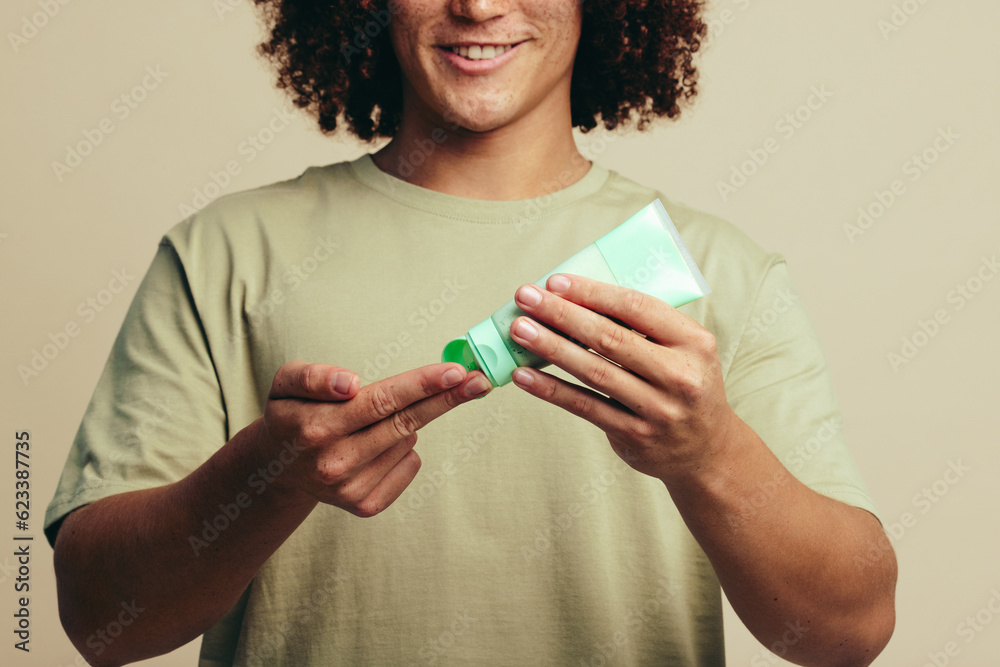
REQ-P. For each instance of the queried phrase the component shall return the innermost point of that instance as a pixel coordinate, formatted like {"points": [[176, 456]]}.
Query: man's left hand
{"points": [[662, 402]]}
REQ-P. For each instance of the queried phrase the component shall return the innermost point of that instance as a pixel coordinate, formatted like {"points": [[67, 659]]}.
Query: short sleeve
{"points": [[779, 384], [157, 412]]}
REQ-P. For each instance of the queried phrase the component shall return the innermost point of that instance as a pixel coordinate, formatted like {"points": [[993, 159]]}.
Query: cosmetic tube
{"points": [[644, 253]]}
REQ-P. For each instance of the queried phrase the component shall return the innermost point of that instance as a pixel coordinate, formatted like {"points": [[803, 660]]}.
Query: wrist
{"points": [[713, 459], [270, 467]]}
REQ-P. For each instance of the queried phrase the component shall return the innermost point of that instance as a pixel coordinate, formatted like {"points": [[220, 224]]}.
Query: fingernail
{"points": [[529, 296], [452, 377], [558, 284], [342, 382], [523, 378], [477, 385], [525, 331]]}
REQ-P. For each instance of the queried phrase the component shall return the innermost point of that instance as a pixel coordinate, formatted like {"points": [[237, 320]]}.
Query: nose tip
{"points": [[479, 10]]}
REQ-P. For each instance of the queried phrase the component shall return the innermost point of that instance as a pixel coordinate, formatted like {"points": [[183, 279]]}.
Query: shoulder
{"points": [[722, 250], [249, 218]]}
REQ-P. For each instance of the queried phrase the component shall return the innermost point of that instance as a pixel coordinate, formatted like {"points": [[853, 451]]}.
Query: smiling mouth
{"points": [[481, 51]]}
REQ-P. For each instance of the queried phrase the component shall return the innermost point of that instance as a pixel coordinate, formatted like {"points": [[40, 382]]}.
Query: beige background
{"points": [[889, 97]]}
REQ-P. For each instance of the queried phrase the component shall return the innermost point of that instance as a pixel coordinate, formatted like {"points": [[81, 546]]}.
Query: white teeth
{"points": [[477, 52]]}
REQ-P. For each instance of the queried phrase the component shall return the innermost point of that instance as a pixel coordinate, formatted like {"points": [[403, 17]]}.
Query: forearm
{"points": [[796, 566], [146, 560]]}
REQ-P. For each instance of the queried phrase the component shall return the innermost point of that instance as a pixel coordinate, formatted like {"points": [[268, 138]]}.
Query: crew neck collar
{"points": [[478, 210]]}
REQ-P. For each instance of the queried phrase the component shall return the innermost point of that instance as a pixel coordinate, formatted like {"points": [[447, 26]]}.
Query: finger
{"points": [[625, 347], [602, 411], [385, 398], [591, 369], [390, 485], [376, 438], [646, 314], [317, 382], [360, 494]]}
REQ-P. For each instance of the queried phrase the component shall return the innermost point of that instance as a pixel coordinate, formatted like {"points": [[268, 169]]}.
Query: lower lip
{"points": [[467, 66]]}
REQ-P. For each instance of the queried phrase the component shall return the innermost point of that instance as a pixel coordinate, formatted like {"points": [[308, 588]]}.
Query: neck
{"points": [[530, 157]]}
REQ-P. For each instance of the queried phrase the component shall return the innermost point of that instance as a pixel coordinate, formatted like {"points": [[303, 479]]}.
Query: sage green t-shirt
{"points": [[524, 540]]}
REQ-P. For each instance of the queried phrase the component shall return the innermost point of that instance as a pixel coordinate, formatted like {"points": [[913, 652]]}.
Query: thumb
{"points": [[317, 382]]}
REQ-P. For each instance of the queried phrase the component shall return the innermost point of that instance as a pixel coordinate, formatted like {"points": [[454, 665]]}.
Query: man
{"points": [[277, 507]]}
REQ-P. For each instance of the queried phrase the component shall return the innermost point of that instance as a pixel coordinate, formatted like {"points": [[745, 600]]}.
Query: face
{"points": [[485, 64]]}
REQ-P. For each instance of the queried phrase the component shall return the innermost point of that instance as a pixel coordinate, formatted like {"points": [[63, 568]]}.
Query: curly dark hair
{"points": [[635, 61]]}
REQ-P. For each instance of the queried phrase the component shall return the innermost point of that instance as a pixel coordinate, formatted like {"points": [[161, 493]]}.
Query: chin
{"points": [[484, 120]]}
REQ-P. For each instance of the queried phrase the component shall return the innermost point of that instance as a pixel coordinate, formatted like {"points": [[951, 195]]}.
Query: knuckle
{"points": [[335, 471], [612, 338], [281, 378], [313, 433], [404, 423], [383, 402], [640, 429], [667, 413], [307, 377], [451, 400], [560, 311], [349, 497], [582, 406], [692, 388], [706, 341], [367, 508], [599, 374], [427, 385], [548, 390], [636, 303]]}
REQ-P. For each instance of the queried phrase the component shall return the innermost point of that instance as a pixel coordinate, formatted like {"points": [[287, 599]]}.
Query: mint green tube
{"points": [[644, 253]]}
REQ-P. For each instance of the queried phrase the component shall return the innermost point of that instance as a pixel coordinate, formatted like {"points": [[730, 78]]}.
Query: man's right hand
{"points": [[336, 444], [354, 447]]}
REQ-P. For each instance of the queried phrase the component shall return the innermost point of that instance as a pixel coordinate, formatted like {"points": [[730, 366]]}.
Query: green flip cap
{"points": [[483, 348], [644, 253]]}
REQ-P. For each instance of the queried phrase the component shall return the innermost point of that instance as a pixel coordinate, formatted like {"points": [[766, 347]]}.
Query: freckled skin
{"points": [[536, 81]]}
